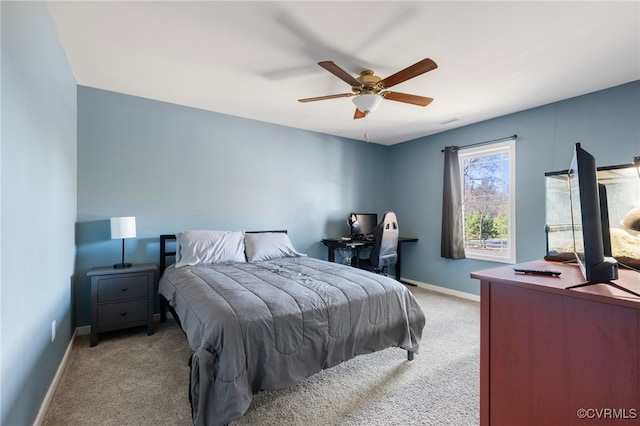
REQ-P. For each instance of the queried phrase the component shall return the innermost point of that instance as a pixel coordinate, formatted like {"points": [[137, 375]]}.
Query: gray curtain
{"points": [[452, 238]]}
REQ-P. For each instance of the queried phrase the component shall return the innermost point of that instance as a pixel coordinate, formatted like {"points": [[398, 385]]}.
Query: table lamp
{"points": [[123, 227]]}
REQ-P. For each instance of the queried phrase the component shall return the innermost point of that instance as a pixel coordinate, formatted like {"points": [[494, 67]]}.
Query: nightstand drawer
{"points": [[121, 288], [122, 298], [117, 314]]}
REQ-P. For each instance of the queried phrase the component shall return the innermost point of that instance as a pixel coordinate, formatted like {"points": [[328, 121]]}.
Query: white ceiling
{"points": [[255, 59]]}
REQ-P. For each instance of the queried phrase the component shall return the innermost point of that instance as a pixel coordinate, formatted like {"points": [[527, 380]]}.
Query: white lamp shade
{"points": [[367, 102], [123, 227]]}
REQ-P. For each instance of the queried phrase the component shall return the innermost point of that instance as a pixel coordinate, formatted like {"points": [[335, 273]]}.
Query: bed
{"points": [[258, 315]]}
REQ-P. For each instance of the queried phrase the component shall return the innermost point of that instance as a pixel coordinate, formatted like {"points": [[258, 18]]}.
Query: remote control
{"points": [[538, 272]]}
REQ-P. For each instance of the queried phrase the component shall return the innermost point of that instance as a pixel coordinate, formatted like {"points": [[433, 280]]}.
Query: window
{"points": [[488, 201]]}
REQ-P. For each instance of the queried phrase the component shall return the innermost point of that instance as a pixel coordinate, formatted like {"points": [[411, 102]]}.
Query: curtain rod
{"points": [[486, 142]]}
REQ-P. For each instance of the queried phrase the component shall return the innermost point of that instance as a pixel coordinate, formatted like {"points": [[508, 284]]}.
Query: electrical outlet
{"points": [[53, 330]]}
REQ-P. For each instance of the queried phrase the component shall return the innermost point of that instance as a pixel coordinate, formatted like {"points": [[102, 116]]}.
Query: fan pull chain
{"points": [[366, 127]]}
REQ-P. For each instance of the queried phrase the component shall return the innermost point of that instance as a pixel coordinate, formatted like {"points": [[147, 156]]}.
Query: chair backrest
{"points": [[384, 252]]}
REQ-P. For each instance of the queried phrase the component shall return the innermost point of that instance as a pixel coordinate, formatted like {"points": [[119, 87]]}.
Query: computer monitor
{"points": [[362, 224]]}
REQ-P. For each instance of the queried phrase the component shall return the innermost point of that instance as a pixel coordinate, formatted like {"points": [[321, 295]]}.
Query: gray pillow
{"points": [[268, 245]]}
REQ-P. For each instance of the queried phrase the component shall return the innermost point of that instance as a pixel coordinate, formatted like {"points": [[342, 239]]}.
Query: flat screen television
{"points": [[589, 217], [590, 221], [362, 224]]}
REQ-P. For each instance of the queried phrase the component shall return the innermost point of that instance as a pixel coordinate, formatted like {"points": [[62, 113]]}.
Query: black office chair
{"points": [[385, 251]]}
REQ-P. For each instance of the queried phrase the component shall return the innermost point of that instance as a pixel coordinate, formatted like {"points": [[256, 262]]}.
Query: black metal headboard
{"points": [[164, 253]]}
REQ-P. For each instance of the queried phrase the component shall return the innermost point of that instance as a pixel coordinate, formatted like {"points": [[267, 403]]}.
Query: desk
{"points": [[551, 356], [334, 243]]}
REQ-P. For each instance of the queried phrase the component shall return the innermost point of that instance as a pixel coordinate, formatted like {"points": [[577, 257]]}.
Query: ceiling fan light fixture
{"points": [[367, 102]]}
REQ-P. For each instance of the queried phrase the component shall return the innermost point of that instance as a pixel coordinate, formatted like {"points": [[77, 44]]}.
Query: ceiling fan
{"points": [[369, 89]]}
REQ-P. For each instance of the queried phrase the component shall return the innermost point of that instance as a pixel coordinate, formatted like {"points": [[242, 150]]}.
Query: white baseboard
{"points": [[83, 331], [54, 383], [444, 290], [86, 329]]}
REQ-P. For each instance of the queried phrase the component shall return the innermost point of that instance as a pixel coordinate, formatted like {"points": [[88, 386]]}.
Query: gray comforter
{"points": [[269, 325]]}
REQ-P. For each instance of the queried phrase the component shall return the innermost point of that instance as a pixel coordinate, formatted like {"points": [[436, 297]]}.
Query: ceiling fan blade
{"points": [[407, 98], [322, 98], [340, 73], [359, 114], [414, 70]]}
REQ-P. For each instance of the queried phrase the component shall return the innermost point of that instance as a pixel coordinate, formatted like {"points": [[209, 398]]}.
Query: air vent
{"points": [[451, 120]]}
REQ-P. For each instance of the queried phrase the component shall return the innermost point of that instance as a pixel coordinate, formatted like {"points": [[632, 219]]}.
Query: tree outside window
{"points": [[488, 177]]}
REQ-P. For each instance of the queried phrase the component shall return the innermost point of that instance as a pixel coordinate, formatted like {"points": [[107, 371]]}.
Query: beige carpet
{"points": [[130, 378]]}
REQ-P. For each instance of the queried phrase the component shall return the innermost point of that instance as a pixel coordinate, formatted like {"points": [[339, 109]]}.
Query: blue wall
{"points": [[177, 168], [38, 196], [606, 123]]}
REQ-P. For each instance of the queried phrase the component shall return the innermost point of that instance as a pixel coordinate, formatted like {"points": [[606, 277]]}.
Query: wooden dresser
{"points": [[550, 356]]}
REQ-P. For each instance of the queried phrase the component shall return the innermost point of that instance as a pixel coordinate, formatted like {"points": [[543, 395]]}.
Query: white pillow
{"points": [[268, 245], [194, 247]]}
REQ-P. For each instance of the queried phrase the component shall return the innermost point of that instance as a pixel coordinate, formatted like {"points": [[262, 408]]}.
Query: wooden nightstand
{"points": [[122, 298]]}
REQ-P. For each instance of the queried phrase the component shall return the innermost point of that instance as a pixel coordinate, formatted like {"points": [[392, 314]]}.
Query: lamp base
{"points": [[122, 265]]}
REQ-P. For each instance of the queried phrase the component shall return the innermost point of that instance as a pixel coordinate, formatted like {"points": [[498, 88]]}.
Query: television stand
{"points": [[612, 284], [546, 352]]}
